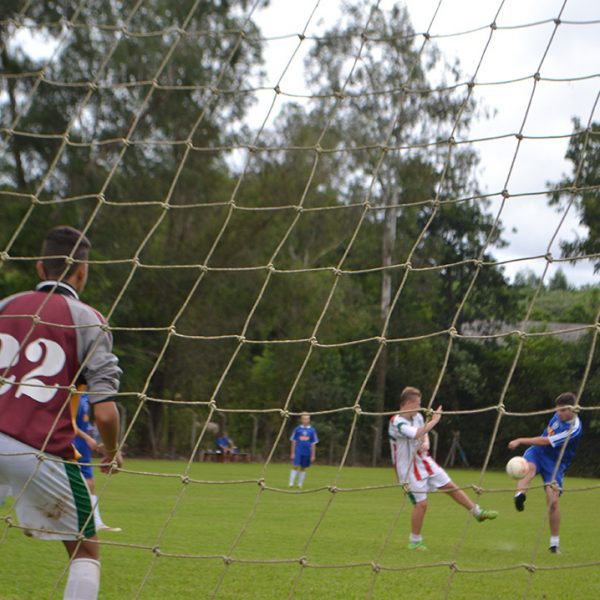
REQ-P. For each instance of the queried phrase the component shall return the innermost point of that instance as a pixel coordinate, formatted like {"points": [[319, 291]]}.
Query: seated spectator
{"points": [[225, 446]]}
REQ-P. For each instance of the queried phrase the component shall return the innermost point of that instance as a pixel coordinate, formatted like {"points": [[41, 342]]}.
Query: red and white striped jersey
{"points": [[409, 453]]}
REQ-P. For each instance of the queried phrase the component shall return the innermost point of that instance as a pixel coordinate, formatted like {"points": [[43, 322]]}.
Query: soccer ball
{"points": [[517, 467]]}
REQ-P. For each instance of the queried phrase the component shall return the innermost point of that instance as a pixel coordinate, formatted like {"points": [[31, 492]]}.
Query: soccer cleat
{"points": [[554, 549], [108, 528], [520, 501], [486, 515], [420, 546]]}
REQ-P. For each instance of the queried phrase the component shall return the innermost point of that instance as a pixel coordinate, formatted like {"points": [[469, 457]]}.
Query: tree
{"points": [[582, 186]]}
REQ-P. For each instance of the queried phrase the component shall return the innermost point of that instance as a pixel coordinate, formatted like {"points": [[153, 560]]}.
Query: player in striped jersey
{"points": [[415, 467], [547, 457]]}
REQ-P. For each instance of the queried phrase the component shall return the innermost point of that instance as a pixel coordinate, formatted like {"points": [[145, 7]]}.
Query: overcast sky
{"points": [[515, 53]]}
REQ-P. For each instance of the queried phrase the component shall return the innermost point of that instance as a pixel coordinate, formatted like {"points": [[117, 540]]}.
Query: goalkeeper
{"points": [[417, 470]]}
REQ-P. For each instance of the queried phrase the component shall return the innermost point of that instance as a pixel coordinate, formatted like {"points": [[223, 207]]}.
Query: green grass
{"points": [[353, 530]]}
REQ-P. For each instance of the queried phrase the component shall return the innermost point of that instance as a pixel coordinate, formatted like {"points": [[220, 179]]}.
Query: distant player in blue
{"points": [[85, 444], [304, 449], [543, 456]]}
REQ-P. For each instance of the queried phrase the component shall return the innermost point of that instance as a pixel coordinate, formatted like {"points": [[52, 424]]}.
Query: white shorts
{"points": [[55, 504], [417, 489]]}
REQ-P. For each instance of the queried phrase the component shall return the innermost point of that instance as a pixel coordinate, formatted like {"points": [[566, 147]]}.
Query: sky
{"points": [[517, 49], [529, 223]]}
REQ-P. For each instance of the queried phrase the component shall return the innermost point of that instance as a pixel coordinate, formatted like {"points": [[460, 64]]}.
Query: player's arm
{"points": [[88, 439], [106, 417], [435, 419], [539, 440], [293, 449]]}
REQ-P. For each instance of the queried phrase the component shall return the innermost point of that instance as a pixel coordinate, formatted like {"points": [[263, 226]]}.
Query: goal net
{"points": [[304, 209]]}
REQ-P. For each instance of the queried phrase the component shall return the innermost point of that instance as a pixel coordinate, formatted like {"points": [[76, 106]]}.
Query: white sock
{"points": [[519, 493], [293, 473], [414, 538], [301, 478], [476, 511], [97, 518], [554, 540], [84, 580]]}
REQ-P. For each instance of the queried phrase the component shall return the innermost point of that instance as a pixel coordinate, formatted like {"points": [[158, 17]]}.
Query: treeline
{"points": [[156, 167]]}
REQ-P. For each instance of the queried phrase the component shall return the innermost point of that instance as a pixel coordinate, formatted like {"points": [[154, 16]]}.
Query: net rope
{"points": [[338, 271]]}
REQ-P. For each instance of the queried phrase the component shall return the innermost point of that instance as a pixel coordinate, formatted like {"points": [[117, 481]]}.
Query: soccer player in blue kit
{"points": [[304, 449], [542, 456]]}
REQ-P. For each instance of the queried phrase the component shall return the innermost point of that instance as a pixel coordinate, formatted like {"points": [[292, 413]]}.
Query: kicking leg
{"points": [[523, 485], [461, 498]]}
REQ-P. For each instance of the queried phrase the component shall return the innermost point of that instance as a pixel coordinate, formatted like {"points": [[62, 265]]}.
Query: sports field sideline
{"points": [[208, 519]]}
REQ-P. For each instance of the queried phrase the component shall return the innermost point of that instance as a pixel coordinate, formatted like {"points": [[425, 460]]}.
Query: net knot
{"points": [[299, 208], [241, 339], [477, 489], [501, 408], [4, 256], [376, 567], [357, 409], [333, 489], [519, 136], [522, 335], [557, 21], [285, 414], [548, 256], [427, 35], [142, 397], [69, 260], [318, 148], [72, 389], [367, 205], [471, 84], [537, 76], [478, 263], [381, 339], [40, 456], [232, 203], [452, 332], [408, 265], [101, 198], [136, 261], [302, 560], [505, 194], [451, 140], [251, 148], [270, 267], [530, 568], [156, 550], [301, 37], [212, 405], [493, 26], [453, 566], [185, 479], [337, 272], [7, 519], [203, 268], [227, 560], [261, 483], [277, 89], [313, 340], [36, 319], [92, 86]]}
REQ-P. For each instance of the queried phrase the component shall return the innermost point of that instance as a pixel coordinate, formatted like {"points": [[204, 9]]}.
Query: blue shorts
{"points": [[302, 460], [86, 457], [545, 465]]}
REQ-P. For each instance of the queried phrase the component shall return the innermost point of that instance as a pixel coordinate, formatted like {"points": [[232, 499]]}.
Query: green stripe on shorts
{"points": [[81, 496], [412, 498]]}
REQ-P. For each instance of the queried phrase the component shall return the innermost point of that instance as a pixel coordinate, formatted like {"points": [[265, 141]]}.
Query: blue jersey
{"points": [[558, 432], [82, 421], [304, 437]]}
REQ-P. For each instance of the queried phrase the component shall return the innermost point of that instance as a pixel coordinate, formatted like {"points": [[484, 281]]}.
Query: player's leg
{"points": [[459, 496], [417, 494], [294, 471], [532, 456], [304, 464], [552, 502], [83, 582]]}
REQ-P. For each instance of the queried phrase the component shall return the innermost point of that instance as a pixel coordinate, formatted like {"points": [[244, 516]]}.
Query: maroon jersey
{"points": [[49, 341]]}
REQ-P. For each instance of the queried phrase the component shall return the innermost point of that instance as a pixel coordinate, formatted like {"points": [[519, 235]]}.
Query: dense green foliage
{"points": [[157, 211], [358, 528]]}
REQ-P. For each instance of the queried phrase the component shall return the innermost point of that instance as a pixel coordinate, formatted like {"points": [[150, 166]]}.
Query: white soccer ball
{"points": [[517, 467]]}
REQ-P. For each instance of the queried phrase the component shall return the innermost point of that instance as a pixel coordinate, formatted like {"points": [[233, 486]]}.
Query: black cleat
{"points": [[520, 502], [554, 549]]}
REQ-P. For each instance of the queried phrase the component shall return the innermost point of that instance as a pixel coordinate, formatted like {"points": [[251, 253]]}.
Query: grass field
{"points": [[353, 531]]}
